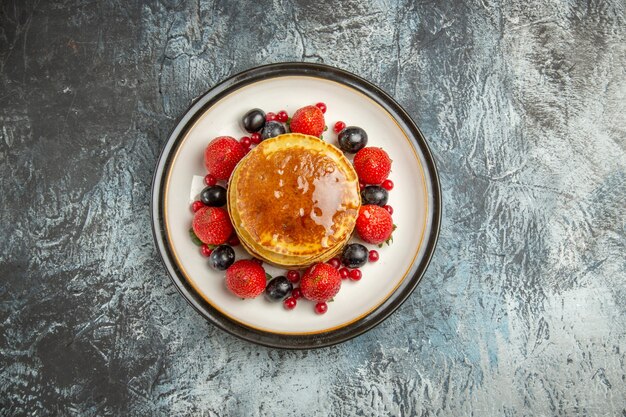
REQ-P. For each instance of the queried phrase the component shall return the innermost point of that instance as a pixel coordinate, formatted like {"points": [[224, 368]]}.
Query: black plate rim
{"points": [[273, 340]]}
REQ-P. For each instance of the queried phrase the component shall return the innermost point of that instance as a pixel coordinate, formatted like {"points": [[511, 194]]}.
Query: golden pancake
{"points": [[293, 200], [278, 259]]}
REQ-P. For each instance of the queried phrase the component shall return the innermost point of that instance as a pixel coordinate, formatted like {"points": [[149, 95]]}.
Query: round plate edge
{"points": [[272, 71]]}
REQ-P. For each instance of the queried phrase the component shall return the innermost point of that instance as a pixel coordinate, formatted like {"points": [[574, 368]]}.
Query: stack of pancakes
{"points": [[294, 200]]}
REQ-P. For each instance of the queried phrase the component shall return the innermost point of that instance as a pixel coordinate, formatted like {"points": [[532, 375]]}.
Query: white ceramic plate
{"points": [[415, 199]]}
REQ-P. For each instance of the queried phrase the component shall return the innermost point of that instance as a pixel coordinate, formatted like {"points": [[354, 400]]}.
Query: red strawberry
{"points": [[374, 224], [320, 283], [212, 225], [245, 279], [221, 156], [372, 165], [308, 120]]}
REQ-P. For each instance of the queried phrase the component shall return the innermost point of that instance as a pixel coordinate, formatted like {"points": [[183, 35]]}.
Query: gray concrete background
{"points": [[522, 311]]}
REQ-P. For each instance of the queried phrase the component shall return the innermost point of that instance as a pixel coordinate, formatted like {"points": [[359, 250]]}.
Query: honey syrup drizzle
{"points": [[295, 196]]}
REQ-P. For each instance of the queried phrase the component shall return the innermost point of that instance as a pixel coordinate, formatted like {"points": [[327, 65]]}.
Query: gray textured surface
{"points": [[522, 312]]}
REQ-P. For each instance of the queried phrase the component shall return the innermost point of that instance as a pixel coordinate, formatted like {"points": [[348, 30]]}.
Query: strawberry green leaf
{"points": [[389, 241], [268, 277], [325, 128], [195, 238]]}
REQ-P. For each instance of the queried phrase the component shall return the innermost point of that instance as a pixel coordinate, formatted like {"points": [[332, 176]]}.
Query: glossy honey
{"points": [[294, 200]]}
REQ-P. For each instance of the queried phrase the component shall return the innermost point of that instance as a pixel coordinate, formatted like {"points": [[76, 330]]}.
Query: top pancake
{"points": [[294, 195]]}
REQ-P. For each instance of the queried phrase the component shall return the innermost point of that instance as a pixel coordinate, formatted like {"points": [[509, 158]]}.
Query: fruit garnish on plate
{"points": [[272, 129], [374, 224], [278, 288], [221, 156], [351, 139], [354, 255], [374, 194], [308, 120], [294, 201], [212, 225], [213, 196], [372, 165], [321, 282], [245, 279], [222, 257], [253, 120]]}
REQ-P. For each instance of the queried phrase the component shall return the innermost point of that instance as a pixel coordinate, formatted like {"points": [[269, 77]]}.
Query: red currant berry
{"points": [[355, 274], [361, 185], [321, 106], [282, 116], [388, 208], [373, 256], [339, 126], [206, 251], [321, 308], [290, 303], [245, 141], [210, 180], [387, 185], [233, 241], [335, 263], [255, 138], [270, 117], [296, 293], [293, 276], [344, 273], [197, 205]]}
